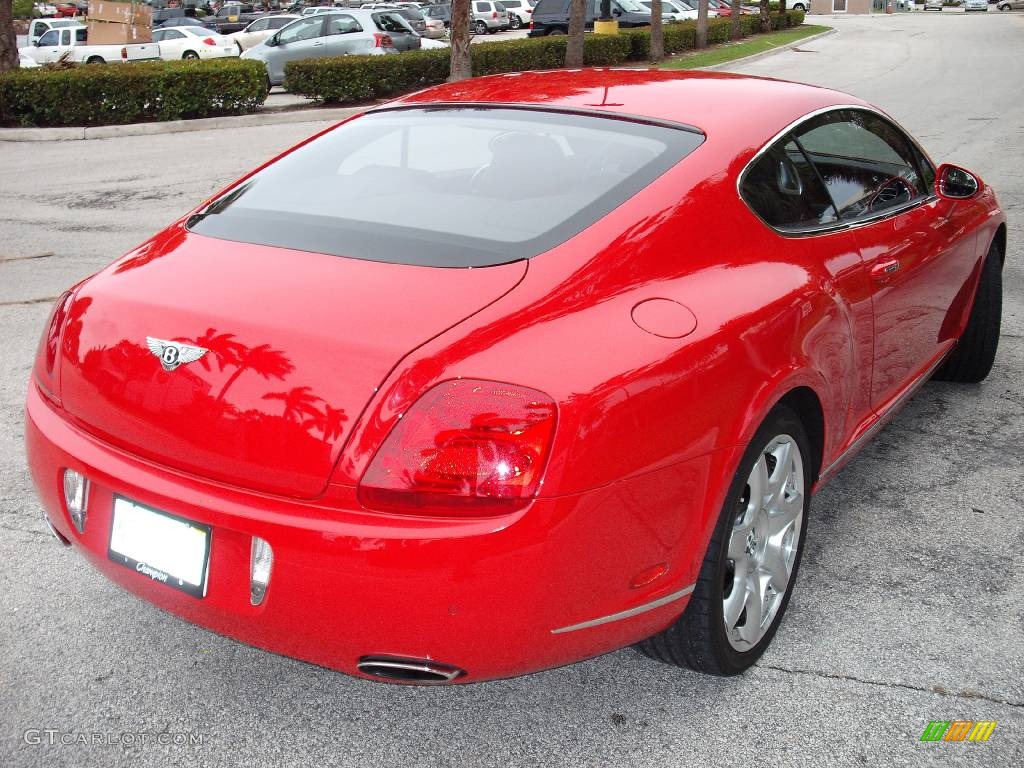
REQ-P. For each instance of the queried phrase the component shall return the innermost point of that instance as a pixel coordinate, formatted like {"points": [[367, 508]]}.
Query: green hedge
{"points": [[110, 94], [359, 78]]}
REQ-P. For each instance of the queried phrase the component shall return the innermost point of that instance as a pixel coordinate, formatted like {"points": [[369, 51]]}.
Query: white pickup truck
{"points": [[72, 40]]}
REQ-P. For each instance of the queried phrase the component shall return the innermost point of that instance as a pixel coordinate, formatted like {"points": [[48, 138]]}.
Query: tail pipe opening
{"points": [[404, 670]]}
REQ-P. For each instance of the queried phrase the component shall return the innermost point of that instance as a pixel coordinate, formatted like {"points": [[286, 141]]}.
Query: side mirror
{"points": [[616, 12], [955, 183], [272, 41]]}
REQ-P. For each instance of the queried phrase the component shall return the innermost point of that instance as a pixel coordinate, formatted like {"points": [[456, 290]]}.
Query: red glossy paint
{"points": [[663, 333]]}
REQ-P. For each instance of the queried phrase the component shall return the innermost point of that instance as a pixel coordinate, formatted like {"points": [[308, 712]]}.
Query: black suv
{"points": [[551, 17]]}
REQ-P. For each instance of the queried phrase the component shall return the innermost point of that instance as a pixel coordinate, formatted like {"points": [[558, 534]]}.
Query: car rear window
{"points": [[447, 187]]}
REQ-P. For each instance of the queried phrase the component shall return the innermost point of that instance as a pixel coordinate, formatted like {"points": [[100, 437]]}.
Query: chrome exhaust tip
{"points": [[397, 669], [54, 531]]}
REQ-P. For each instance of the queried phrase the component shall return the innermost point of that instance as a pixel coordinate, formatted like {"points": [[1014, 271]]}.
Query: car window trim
{"points": [[842, 226]]}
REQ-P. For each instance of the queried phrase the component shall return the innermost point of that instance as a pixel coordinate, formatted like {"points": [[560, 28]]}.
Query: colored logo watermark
{"points": [[958, 730]]}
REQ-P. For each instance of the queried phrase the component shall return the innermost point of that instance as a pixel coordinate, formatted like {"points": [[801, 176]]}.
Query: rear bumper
{"points": [[485, 596]]}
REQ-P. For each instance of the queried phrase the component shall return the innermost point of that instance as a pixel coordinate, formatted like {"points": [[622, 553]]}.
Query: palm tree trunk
{"points": [[702, 24], [231, 380], [766, 17], [461, 63], [577, 24], [657, 32], [8, 40], [737, 20]]}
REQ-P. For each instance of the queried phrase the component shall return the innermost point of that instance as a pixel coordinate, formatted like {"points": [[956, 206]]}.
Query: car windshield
{"points": [[632, 6], [447, 187]]}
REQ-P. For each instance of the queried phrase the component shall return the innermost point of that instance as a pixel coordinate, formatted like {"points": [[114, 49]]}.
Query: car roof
{"points": [[747, 109]]}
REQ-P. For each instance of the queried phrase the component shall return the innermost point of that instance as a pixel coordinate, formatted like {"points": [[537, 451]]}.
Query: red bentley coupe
{"points": [[513, 372]]}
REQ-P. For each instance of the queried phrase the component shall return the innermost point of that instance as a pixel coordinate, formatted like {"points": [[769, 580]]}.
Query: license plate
{"points": [[161, 546]]}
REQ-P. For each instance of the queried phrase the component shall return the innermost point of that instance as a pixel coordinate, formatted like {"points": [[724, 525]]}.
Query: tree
{"points": [[766, 16], [737, 20], [657, 32], [702, 24], [461, 63], [577, 23], [8, 40]]}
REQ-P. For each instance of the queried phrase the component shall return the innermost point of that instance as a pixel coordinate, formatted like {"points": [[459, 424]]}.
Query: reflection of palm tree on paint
{"points": [[328, 422], [225, 348], [267, 362], [298, 402]]}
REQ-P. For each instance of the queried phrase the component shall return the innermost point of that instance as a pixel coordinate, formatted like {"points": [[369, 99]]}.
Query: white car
{"points": [[674, 11], [260, 30], [975, 5], [45, 9], [193, 43]]}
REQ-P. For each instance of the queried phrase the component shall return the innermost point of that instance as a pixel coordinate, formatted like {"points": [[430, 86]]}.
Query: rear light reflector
{"points": [[76, 497], [382, 41], [210, 41], [261, 562], [467, 448]]}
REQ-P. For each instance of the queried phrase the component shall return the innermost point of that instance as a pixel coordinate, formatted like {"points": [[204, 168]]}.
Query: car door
{"points": [[342, 36], [172, 43], [48, 48], [883, 187], [303, 39]]}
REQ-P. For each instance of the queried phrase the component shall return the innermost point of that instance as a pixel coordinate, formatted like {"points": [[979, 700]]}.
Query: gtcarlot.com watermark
{"points": [[134, 739]]}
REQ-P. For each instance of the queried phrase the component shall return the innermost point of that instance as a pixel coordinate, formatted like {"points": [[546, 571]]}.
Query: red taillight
{"points": [[210, 41], [531, 25], [466, 448], [494, 14], [382, 40], [124, 54]]}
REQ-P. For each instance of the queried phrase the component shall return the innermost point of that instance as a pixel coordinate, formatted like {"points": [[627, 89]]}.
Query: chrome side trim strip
{"points": [[627, 613], [883, 419]]}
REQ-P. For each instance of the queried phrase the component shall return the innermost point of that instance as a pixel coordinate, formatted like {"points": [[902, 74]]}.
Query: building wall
{"points": [[852, 6]]}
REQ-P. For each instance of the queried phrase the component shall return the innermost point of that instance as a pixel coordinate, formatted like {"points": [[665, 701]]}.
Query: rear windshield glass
{"points": [[447, 187]]}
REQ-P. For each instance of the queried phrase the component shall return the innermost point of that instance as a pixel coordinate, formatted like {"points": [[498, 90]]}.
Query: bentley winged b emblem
{"points": [[174, 353]]}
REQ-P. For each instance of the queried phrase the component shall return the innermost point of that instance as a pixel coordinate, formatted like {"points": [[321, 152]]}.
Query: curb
{"points": [[765, 54], [306, 115]]}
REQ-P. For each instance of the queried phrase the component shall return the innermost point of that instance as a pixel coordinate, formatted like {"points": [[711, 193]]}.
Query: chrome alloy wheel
{"points": [[763, 543]]}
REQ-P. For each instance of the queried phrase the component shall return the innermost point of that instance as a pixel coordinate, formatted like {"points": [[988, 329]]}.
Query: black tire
{"points": [[975, 352], [698, 638], [95, 60], [190, 55], [515, 22], [481, 27]]}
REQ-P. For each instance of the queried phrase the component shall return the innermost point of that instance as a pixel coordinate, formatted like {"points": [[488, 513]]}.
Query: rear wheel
{"points": [[556, 31], [975, 352], [95, 60], [190, 55], [515, 22], [752, 560]]}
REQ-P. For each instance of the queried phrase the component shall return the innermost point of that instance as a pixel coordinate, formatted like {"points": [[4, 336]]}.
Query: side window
{"points": [[342, 25], [80, 35], [306, 29], [65, 37], [259, 25], [867, 163], [278, 23], [50, 38], [783, 189], [483, 7]]}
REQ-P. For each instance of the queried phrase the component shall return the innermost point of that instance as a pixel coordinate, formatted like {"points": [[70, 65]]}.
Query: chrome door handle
{"points": [[884, 269]]}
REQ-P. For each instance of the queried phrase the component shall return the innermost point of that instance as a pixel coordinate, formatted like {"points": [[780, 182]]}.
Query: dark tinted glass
{"points": [[783, 189], [452, 187], [867, 162]]}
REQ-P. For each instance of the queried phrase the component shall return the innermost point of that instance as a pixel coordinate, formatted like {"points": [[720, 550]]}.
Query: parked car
{"points": [[433, 27], [1011, 5], [489, 17], [519, 12], [413, 16], [260, 30], [38, 27], [723, 9], [67, 10], [184, 21], [675, 11], [551, 17], [933, 5], [232, 17], [193, 43], [327, 34], [46, 10], [441, 12], [548, 419], [72, 43], [975, 5]]}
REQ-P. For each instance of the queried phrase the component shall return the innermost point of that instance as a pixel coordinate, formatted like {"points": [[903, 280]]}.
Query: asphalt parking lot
{"points": [[909, 605]]}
